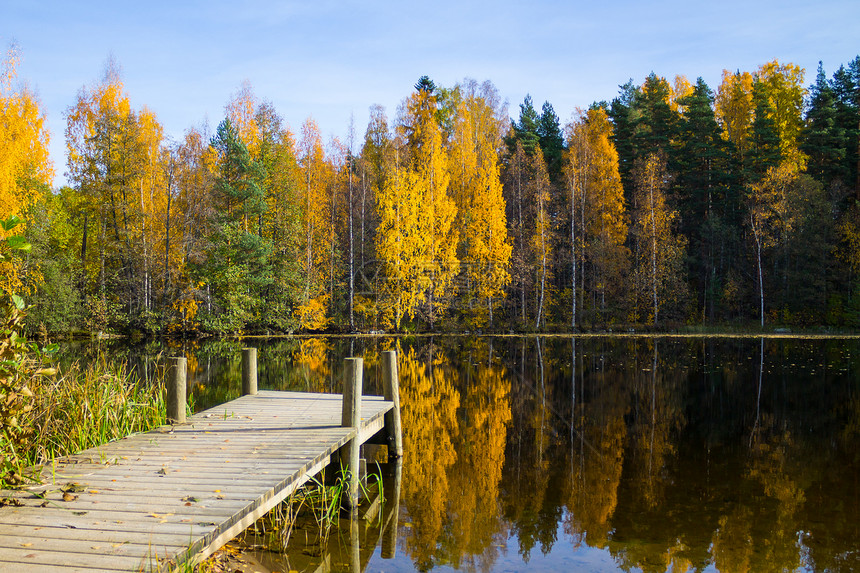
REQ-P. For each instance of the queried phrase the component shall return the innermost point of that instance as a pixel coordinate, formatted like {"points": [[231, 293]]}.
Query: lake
{"points": [[594, 453]]}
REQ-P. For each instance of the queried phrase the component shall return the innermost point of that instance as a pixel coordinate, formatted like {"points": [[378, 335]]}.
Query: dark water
{"points": [[599, 453]]}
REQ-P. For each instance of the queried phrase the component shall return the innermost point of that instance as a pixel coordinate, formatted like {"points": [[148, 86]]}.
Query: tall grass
{"points": [[87, 406]]}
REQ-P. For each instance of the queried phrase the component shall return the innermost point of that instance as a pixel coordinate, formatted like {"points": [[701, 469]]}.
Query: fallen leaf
{"points": [[69, 497], [25, 544], [190, 498]]}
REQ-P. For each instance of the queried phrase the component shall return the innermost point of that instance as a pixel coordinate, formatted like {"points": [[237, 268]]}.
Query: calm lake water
{"points": [[593, 453]]}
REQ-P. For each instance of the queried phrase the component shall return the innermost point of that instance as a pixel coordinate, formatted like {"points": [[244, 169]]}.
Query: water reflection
{"points": [[645, 454], [668, 454]]}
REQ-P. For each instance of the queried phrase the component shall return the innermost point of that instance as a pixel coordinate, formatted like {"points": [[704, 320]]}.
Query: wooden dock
{"points": [[178, 493]]}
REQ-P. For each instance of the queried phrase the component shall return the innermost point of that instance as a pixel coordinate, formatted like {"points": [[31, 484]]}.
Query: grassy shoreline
{"points": [[76, 409]]}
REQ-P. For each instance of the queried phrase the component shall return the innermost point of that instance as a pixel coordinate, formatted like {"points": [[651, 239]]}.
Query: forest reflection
{"points": [[666, 454]]}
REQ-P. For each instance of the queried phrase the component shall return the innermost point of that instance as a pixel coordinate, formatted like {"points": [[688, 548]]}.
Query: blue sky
{"points": [[330, 60]]}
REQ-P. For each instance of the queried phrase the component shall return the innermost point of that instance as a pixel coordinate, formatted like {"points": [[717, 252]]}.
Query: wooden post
{"points": [[352, 387], [249, 371], [176, 374], [391, 389]]}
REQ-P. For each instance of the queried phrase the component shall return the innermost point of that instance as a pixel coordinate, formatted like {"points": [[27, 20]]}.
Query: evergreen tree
{"points": [[700, 157], [551, 141], [526, 130], [705, 199], [654, 122], [236, 269], [846, 89], [622, 134], [764, 138], [823, 140]]}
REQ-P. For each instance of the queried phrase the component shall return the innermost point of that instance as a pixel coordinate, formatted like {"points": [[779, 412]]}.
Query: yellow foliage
{"points": [[312, 314], [24, 160], [185, 308], [416, 237], [311, 359], [734, 108], [681, 87], [318, 175], [784, 88], [476, 189], [659, 250], [242, 113], [429, 413]]}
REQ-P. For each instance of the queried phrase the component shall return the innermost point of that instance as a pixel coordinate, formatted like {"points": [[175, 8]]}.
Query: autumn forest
{"points": [[673, 203]]}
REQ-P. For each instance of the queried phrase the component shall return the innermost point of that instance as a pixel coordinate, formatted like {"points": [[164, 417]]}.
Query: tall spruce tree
{"points": [[236, 268], [551, 141], [846, 89], [622, 133], [526, 130], [822, 138], [764, 138], [705, 201]]}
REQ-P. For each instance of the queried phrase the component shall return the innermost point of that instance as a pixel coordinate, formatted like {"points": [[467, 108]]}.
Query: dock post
{"points": [[391, 390], [249, 371], [176, 374], [352, 387]]}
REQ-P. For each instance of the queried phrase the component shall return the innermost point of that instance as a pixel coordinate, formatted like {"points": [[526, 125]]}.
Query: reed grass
{"points": [[83, 407], [319, 505]]}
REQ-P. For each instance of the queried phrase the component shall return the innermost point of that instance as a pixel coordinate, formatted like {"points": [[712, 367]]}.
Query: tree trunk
{"points": [[653, 250], [758, 263], [351, 253]]}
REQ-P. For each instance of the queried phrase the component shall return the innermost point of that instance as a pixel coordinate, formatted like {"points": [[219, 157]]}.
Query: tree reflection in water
{"points": [[669, 454], [661, 454]]}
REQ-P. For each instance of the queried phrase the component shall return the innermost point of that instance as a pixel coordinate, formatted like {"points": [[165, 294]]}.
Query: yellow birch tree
{"points": [[25, 166], [542, 234], [419, 259], [734, 108], [659, 252], [784, 88], [597, 211], [485, 250], [316, 175]]}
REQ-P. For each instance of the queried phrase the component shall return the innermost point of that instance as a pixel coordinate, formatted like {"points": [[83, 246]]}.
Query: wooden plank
{"points": [[178, 490]]}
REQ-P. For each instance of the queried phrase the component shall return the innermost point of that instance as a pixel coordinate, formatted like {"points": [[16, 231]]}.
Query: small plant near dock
{"points": [[315, 509]]}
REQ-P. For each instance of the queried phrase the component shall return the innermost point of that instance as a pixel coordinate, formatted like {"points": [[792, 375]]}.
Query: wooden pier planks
{"points": [[177, 492]]}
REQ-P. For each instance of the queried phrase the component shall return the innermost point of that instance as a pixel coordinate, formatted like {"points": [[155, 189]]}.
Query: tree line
{"points": [[672, 203]]}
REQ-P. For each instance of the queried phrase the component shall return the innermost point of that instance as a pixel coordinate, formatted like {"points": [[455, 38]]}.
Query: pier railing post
{"points": [[391, 390], [249, 371], [176, 376], [352, 388]]}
